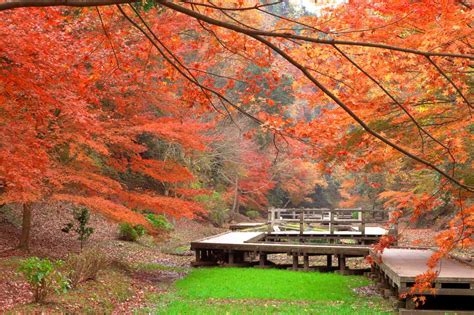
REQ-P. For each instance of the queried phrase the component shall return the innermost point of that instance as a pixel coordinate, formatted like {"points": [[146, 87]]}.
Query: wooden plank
{"points": [[231, 237], [402, 265], [283, 210], [282, 248], [369, 230], [335, 221], [408, 263], [246, 225]]}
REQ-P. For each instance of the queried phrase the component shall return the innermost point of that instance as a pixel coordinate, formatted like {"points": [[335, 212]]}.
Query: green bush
{"points": [[127, 232], [252, 214], [140, 229], [219, 216], [85, 265], [218, 212], [43, 276], [159, 222]]}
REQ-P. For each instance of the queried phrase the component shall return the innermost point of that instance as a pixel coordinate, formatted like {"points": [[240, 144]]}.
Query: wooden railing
{"points": [[352, 217]]}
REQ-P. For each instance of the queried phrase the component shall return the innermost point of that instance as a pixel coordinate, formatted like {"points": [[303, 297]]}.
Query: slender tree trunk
{"points": [[236, 204], [26, 227]]}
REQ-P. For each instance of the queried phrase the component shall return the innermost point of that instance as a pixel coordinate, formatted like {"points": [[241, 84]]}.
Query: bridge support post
{"points": [[341, 263], [262, 259], [329, 261], [198, 255], [306, 262], [295, 261]]}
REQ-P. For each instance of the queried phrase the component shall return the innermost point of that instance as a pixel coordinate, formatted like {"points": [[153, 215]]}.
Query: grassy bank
{"points": [[269, 291]]}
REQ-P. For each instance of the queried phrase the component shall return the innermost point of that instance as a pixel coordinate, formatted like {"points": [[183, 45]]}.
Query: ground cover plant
{"points": [[267, 291]]}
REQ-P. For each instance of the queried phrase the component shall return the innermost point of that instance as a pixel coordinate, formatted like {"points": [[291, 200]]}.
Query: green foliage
{"points": [[252, 214], [159, 222], [140, 229], [82, 216], [43, 276], [219, 216], [127, 232], [85, 265], [145, 5], [218, 211], [131, 233]]}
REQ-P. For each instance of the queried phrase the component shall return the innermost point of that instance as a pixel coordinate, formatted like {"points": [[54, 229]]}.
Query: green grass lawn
{"points": [[266, 291]]}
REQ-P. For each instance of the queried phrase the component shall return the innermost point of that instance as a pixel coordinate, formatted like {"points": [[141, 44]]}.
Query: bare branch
{"points": [[450, 82], [256, 6], [108, 37], [13, 4]]}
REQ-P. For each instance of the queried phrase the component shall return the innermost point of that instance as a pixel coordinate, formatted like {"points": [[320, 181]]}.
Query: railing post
{"points": [[271, 215], [301, 222], [362, 223], [331, 226], [393, 229]]}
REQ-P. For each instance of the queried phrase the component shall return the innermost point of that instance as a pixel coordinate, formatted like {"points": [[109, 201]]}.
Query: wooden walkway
{"points": [[399, 267], [298, 232], [243, 248]]}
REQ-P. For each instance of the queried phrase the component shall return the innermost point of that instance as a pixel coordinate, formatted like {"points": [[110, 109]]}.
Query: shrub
{"points": [[43, 276], [219, 216], [85, 265], [218, 212], [140, 229], [127, 232], [252, 214], [159, 221], [82, 216]]}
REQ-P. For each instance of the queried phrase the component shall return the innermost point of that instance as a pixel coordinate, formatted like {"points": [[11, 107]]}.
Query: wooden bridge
{"points": [[333, 233], [300, 233]]}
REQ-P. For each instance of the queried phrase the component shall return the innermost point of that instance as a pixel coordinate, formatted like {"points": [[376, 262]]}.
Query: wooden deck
{"points": [[250, 242], [399, 267], [243, 248], [246, 225]]}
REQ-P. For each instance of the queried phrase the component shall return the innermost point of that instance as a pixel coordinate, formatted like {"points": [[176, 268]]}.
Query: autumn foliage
{"points": [[116, 108]]}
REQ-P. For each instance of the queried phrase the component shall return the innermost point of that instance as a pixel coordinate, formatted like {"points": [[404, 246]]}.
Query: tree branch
{"points": [[308, 75], [13, 4], [412, 118]]}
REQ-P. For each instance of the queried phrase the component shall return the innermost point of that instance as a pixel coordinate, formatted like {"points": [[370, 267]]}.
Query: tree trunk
{"points": [[236, 204], [25, 227]]}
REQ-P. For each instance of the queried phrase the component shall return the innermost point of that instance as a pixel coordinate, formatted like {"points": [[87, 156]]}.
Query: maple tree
{"points": [[66, 135], [380, 89]]}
